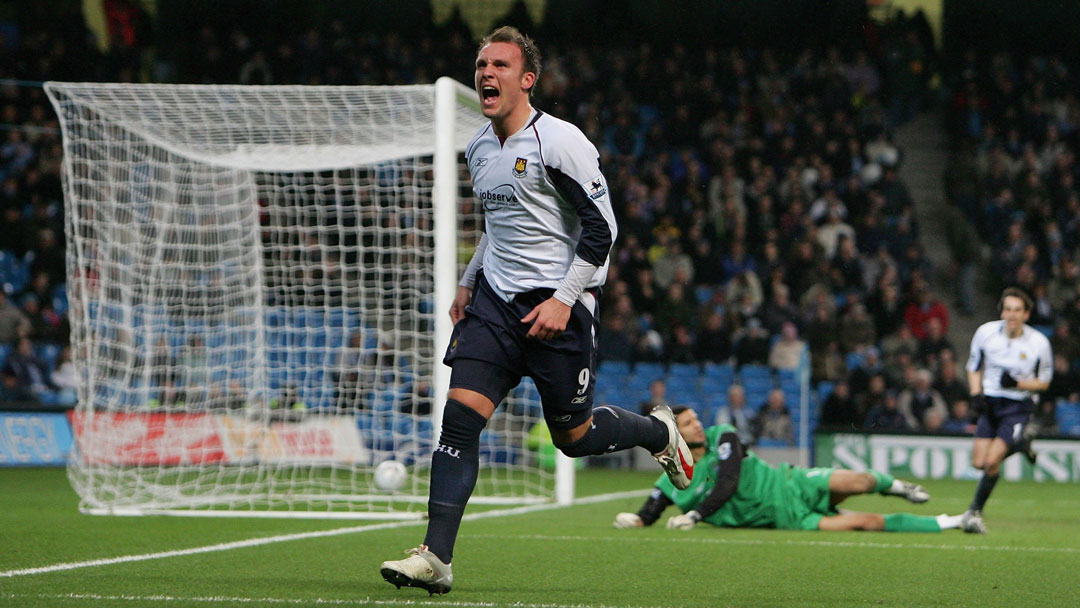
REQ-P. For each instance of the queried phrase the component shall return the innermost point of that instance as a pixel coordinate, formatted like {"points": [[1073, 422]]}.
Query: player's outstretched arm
{"points": [[648, 513]]}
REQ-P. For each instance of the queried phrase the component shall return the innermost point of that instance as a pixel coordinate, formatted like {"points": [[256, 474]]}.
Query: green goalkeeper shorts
{"points": [[805, 498]]}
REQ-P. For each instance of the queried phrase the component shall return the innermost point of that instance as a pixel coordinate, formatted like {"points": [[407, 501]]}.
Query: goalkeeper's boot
{"points": [[912, 492], [972, 522], [421, 569], [676, 459]]}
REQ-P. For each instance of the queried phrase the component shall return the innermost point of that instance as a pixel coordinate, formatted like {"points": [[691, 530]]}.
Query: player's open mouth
{"points": [[488, 93]]}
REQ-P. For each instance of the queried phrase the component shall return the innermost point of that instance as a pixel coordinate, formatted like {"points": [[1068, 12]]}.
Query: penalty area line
{"points": [[796, 543], [268, 540]]}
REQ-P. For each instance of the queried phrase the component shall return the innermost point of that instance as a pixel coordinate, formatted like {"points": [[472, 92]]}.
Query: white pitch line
{"points": [[256, 542], [366, 601], [631, 537]]}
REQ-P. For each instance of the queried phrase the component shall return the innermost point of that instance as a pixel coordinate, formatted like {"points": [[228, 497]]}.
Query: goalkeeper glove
{"points": [[1007, 381], [978, 404], [686, 521], [627, 520]]}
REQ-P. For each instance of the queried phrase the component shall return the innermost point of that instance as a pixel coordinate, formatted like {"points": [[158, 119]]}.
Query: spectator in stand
{"points": [[13, 322], [886, 416], [616, 341], [752, 343], [737, 414], [873, 396], [675, 310], [1064, 287], [713, 341], [846, 268], [869, 365], [657, 397], [901, 345], [948, 381], [773, 420], [1066, 381], [856, 329], [924, 307], [680, 346], [935, 342], [839, 409], [918, 401], [787, 352], [1064, 342], [959, 421], [779, 309], [25, 377]]}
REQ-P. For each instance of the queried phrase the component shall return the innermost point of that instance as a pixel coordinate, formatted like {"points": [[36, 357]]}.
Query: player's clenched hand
{"points": [[686, 521], [627, 520], [461, 300], [548, 319]]}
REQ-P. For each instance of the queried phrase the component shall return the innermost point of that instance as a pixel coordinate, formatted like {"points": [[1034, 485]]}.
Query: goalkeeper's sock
{"points": [[982, 492], [615, 429], [949, 522], [906, 522], [454, 467], [884, 481]]}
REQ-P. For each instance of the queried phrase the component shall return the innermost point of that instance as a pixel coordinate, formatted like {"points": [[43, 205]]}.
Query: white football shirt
{"points": [[1025, 357], [545, 200]]}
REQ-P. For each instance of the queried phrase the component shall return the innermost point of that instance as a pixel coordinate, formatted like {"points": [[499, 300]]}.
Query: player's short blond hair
{"points": [[529, 53]]}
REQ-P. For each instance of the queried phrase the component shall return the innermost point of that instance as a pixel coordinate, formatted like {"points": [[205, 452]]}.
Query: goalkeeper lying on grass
{"points": [[734, 488]]}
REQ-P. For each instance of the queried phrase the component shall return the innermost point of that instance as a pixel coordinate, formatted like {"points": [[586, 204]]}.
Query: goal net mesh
{"points": [[251, 278]]}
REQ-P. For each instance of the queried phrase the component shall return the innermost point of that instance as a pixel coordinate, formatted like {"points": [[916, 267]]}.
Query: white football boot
{"points": [[914, 493], [421, 569], [972, 522], [676, 459]]}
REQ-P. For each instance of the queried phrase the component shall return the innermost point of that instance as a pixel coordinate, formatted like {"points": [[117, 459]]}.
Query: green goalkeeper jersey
{"points": [[758, 499]]}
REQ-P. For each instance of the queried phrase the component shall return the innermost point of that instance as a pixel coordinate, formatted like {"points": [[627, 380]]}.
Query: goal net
{"points": [[259, 279]]}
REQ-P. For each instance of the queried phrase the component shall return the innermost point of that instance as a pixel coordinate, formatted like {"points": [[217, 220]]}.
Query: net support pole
{"points": [[444, 207], [564, 478]]}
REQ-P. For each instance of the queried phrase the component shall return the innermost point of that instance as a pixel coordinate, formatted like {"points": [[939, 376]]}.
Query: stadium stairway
{"points": [[925, 147]]}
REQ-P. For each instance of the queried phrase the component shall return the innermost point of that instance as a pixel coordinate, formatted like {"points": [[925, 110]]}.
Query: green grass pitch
{"points": [[557, 558]]}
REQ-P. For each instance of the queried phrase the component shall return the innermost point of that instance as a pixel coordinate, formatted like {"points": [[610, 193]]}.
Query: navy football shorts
{"points": [[490, 354], [1004, 418]]}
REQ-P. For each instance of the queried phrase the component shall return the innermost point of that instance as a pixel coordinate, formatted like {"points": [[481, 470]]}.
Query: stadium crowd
{"points": [[1012, 178], [762, 219]]}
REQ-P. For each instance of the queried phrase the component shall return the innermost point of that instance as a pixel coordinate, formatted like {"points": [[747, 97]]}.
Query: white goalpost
{"points": [[259, 280]]}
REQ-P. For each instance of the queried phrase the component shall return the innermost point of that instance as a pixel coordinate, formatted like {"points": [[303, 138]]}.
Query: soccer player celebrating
{"points": [[736, 489], [527, 304], [1009, 363]]}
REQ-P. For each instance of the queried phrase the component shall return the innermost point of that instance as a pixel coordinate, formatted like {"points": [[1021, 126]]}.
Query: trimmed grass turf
{"points": [[557, 558]]}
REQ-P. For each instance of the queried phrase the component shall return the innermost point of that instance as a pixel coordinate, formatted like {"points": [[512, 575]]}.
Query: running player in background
{"points": [[734, 488], [1010, 363], [527, 303]]}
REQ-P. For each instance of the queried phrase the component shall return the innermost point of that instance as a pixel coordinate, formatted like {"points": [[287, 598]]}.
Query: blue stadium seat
{"points": [[824, 389], [766, 442], [48, 353], [719, 370], [650, 370], [60, 299], [613, 368], [683, 370], [755, 373]]}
